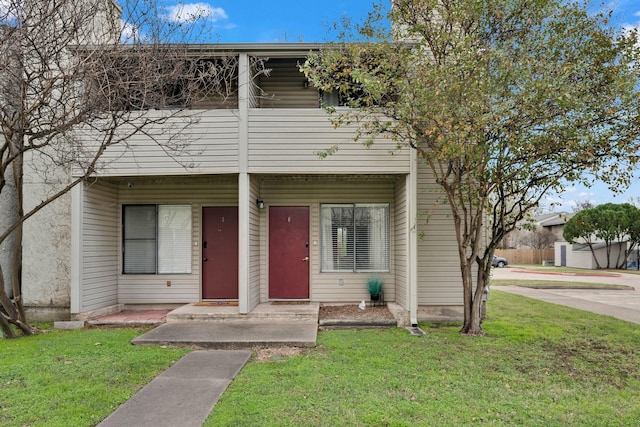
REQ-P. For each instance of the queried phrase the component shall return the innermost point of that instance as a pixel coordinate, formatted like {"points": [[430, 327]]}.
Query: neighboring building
{"points": [[579, 255], [553, 222], [249, 213], [525, 238]]}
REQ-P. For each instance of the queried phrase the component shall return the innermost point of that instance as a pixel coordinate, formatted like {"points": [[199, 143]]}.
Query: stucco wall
{"points": [[46, 249]]}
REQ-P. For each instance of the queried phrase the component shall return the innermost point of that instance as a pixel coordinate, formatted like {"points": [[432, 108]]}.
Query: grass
{"points": [[74, 378], [555, 284], [540, 365]]}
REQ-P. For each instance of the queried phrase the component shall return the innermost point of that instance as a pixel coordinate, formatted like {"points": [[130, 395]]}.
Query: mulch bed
{"points": [[353, 312]]}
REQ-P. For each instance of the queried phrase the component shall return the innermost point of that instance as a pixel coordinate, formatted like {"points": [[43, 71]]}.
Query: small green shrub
{"points": [[374, 284]]}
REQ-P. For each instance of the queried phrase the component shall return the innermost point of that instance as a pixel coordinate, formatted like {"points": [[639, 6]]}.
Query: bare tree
{"points": [[76, 80], [540, 238], [582, 205]]}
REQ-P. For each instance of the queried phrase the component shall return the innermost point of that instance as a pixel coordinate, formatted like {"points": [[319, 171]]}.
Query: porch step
{"points": [[294, 313]]}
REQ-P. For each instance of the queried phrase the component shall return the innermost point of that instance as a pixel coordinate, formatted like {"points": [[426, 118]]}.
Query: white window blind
{"points": [[354, 237], [139, 243], [174, 239], [372, 237]]}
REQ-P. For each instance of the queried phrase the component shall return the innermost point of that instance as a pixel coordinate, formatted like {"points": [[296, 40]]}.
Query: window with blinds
{"points": [[156, 239], [354, 237]]}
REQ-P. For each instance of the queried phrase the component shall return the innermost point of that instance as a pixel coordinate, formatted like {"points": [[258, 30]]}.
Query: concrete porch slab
{"points": [[132, 318], [231, 335], [306, 313]]}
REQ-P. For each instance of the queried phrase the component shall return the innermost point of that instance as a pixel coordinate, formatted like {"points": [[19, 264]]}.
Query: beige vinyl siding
{"points": [[401, 241], [99, 287], [210, 146], [288, 141], [313, 191], [254, 243], [284, 86], [198, 192], [220, 101], [439, 280]]}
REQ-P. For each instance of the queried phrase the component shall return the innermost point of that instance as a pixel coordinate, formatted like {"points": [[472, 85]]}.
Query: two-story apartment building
{"points": [[249, 212]]}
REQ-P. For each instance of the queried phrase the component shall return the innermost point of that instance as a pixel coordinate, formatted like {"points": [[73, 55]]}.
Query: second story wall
{"points": [[208, 145], [289, 140], [278, 140], [274, 125]]}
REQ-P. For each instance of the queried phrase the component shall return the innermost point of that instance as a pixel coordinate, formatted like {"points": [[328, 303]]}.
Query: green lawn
{"points": [[540, 365], [74, 378]]}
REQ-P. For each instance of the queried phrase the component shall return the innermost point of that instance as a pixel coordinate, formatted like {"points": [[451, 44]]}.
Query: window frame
{"points": [[354, 241], [157, 256]]}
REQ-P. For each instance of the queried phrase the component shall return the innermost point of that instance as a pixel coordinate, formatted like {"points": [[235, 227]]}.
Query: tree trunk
{"points": [[5, 327], [593, 253], [10, 216], [473, 299], [11, 205]]}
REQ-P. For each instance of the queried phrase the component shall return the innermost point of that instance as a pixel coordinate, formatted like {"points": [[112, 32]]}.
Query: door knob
{"points": [[305, 258], [204, 258]]}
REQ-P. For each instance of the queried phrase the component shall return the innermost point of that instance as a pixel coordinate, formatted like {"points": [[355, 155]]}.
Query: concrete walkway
{"points": [[590, 276], [184, 394], [621, 304]]}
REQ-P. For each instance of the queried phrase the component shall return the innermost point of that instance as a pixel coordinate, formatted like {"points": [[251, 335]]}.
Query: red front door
{"points": [[220, 253], [288, 252]]}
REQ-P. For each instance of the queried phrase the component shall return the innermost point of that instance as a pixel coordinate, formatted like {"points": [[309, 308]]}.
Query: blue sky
{"points": [[626, 14], [277, 20], [310, 21]]}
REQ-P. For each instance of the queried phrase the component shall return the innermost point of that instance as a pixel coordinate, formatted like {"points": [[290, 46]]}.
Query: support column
{"points": [[243, 243], [412, 201], [77, 194], [244, 82]]}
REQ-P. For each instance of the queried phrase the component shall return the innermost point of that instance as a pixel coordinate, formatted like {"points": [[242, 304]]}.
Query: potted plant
{"points": [[374, 285]]}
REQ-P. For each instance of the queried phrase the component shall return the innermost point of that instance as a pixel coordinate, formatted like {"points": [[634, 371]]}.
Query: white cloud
{"points": [[554, 200], [129, 32], [570, 190], [192, 12]]}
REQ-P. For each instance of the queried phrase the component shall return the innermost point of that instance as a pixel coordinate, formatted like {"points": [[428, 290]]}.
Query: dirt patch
{"points": [[327, 312], [353, 312], [277, 354]]}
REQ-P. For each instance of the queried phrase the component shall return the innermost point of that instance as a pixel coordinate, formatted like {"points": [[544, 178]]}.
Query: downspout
{"points": [[76, 247], [412, 201]]}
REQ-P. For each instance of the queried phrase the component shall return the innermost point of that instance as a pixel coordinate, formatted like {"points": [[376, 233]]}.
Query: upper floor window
{"points": [[156, 239], [355, 237]]}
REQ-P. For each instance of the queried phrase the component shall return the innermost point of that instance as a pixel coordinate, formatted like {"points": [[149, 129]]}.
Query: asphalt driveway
{"points": [[622, 304]]}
